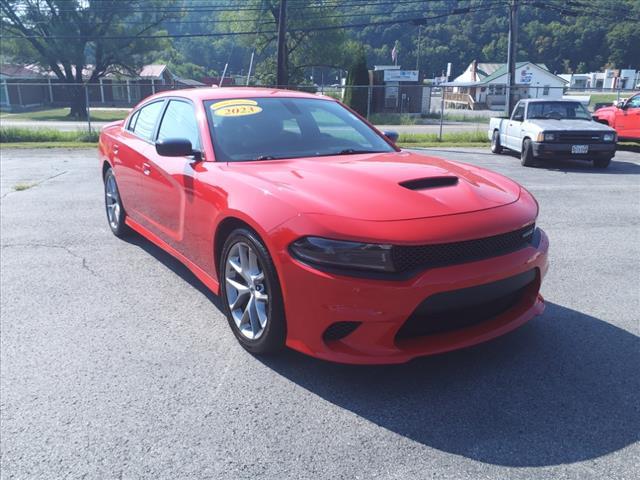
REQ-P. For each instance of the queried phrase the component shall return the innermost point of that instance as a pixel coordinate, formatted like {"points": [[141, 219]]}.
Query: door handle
{"points": [[146, 168]]}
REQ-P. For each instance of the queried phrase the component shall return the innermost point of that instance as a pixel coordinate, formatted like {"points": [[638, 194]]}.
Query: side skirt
{"points": [[203, 276]]}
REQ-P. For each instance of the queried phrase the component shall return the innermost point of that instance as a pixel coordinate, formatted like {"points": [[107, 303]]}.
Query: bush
{"points": [[356, 95]]}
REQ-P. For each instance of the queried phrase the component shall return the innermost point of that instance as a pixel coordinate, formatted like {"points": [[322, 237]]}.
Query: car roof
{"points": [[216, 93]]}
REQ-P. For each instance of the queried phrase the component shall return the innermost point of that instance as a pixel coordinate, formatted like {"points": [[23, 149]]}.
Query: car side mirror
{"points": [[621, 104], [392, 136], [177, 147]]}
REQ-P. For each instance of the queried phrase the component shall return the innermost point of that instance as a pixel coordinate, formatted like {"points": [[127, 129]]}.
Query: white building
{"points": [[610, 79], [484, 85]]}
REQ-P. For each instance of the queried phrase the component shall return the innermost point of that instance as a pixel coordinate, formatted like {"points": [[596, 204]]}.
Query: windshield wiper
{"points": [[266, 157]]}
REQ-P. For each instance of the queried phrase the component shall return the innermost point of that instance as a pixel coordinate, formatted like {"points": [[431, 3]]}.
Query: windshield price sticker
{"points": [[235, 108]]}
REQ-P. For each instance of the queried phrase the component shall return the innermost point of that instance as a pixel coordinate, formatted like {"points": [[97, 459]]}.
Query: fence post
{"points": [[86, 96], [441, 112], [368, 101]]}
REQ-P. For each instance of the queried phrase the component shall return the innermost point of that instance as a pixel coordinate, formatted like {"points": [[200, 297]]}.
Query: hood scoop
{"points": [[430, 182]]}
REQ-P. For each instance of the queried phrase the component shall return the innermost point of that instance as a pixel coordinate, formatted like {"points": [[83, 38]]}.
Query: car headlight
{"points": [[343, 254], [609, 137], [546, 137]]}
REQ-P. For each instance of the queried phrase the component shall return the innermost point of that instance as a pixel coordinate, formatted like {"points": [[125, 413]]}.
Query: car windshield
{"points": [[271, 128], [557, 111]]}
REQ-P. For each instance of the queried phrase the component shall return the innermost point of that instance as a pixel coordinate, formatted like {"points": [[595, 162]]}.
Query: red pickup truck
{"points": [[624, 117]]}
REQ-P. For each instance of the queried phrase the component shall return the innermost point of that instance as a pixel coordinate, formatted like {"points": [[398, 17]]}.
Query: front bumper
{"points": [[554, 151], [315, 300]]}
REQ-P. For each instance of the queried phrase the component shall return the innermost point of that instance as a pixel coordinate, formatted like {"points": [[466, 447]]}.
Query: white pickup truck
{"points": [[553, 129]]}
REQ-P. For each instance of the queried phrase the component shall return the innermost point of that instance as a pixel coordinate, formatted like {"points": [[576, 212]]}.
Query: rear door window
{"points": [[146, 122]]}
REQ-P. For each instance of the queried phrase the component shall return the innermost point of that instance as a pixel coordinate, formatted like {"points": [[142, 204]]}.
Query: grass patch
{"points": [[479, 137], [24, 135], [24, 145], [425, 119], [62, 115], [23, 186], [443, 145], [394, 119], [603, 97]]}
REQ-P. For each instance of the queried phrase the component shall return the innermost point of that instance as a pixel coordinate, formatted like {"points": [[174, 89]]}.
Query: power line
{"points": [[235, 8], [414, 20]]}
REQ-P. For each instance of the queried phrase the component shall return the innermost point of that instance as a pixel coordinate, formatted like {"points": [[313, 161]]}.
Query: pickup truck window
{"points": [[518, 113], [557, 111]]}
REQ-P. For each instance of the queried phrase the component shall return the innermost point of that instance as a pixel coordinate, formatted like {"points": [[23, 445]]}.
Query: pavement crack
{"points": [[84, 263], [36, 184]]}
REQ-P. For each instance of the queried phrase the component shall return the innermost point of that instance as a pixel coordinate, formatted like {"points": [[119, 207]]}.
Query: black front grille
{"points": [[407, 258], [457, 309], [579, 137]]}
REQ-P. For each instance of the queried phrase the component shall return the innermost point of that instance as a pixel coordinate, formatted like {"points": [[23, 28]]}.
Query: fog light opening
{"points": [[339, 330]]}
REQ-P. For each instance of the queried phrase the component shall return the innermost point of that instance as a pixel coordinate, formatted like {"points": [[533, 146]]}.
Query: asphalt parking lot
{"points": [[116, 362]]}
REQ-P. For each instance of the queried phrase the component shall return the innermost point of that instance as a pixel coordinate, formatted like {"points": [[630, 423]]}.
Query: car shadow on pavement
{"points": [[175, 265], [581, 166], [578, 166], [562, 389]]}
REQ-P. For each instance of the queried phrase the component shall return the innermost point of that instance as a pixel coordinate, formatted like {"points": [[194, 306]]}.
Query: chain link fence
{"points": [[43, 103]]}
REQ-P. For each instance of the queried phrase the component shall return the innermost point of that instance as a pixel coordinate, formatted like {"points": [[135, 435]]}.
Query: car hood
{"points": [[609, 109], [582, 125], [379, 187]]}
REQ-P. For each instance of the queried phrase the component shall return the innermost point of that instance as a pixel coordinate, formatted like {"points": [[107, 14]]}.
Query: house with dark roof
{"points": [[483, 86]]}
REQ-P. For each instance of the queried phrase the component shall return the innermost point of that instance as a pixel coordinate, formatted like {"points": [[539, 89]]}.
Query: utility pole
{"points": [[282, 74], [418, 54], [511, 54]]}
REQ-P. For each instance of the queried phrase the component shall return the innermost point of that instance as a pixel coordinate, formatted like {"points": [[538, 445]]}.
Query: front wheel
{"points": [[251, 293], [526, 156], [495, 142]]}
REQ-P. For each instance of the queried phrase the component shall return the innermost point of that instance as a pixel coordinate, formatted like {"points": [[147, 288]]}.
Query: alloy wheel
{"points": [[247, 292], [112, 202]]}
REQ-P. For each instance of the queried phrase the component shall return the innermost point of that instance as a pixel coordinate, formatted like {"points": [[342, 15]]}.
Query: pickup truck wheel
{"points": [[526, 156], [495, 142], [601, 162]]}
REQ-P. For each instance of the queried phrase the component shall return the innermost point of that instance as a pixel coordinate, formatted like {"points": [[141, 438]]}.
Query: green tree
{"points": [[357, 95], [305, 48], [80, 41]]}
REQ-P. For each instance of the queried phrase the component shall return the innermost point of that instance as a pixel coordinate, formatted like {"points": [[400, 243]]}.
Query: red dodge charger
{"points": [[317, 231]]}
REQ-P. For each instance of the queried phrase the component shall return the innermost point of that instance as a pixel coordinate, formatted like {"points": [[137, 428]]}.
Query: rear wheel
{"points": [[251, 293], [116, 214], [601, 162], [495, 142], [526, 156]]}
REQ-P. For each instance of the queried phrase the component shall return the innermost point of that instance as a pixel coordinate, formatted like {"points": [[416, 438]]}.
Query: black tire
{"points": [[272, 338], [116, 223], [526, 156], [601, 162], [496, 147]]}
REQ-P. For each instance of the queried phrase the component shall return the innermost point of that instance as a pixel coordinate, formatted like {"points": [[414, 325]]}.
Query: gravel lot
{"points": [[117, 363]]}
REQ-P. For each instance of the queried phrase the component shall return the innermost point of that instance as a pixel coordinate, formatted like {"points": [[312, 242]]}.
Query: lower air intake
{"points": [[339, 330], [457, 309]]}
